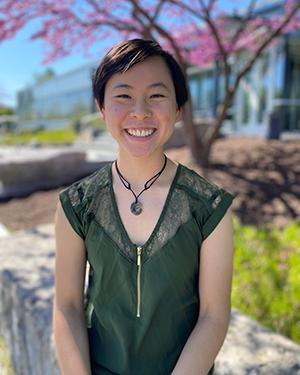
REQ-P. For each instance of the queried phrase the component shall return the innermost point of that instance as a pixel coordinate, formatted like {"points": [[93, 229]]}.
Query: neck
{"points": [[138, 170]]}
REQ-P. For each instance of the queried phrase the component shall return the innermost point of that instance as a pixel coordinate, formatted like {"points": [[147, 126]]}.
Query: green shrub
{"points": [[59, 136], [98, 123], [4, 111], [266, 280], [5, 362]]}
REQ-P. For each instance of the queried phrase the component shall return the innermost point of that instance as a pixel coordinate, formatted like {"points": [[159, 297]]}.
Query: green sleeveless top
{"points": [[142, 302]]}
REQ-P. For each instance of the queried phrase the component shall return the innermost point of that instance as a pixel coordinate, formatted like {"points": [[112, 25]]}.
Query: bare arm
{"points": [[216, 268], [69, 324]]}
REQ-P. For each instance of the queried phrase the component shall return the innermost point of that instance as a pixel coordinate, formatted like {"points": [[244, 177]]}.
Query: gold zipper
{"points": [[139, 265]]}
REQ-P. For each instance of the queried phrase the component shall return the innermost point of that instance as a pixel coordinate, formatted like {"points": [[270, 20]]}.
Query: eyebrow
{"points": [[126, 86]]}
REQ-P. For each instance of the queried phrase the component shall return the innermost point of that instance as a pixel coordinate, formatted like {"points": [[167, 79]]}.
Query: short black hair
{"points": [[130, 52]]}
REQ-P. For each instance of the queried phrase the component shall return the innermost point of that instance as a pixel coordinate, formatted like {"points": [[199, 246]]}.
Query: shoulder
{"points": [[209, 201], [199, 187], [85, 189]]}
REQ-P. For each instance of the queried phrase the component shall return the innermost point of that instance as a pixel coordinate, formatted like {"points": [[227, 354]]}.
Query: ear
{"points": [[178, 114], [101, 110]]}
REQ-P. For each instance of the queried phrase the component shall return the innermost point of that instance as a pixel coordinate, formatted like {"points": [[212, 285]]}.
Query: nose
{"points": [[141, 110]]}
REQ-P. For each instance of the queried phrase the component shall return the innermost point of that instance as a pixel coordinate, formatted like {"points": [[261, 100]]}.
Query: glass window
{"points": [[194, 91], [221, 88], [294, 85], [61, 97], [279, 74], [263, 83], [201, 88], [206, 91], [245, 87]]}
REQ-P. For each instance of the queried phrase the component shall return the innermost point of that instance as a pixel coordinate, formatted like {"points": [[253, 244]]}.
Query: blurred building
{"points": [[267, 103], [58, 101], [268, 98]]}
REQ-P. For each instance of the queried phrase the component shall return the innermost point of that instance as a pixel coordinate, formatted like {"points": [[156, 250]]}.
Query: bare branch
{"points": [[187, 8], [231, 90], [158, 9], [224, 54], [138, 8], [211, 5], [221, 116], [109, 19], [160, 30], [206, 17], [203, 6], [95, 5], [243, 22]]}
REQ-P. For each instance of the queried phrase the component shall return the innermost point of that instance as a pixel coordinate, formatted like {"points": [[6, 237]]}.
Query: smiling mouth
{"points": [[141, 133]]}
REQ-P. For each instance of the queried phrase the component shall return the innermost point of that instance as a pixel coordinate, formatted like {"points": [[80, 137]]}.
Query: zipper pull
{"points": [[139, 252], [139, 265]]}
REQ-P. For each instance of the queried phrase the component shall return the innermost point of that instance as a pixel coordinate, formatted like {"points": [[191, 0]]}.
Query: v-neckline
{"points": [[161, 216]]}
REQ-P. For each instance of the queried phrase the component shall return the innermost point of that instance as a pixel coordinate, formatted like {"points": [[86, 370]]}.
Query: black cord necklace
{"points": [[136, 207]]}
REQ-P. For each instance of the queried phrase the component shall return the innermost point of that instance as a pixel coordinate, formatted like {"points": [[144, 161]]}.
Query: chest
{"points": [[140, 227]]}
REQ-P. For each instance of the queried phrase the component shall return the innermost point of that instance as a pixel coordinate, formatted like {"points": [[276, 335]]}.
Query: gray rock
{"points": [[26, 295], [251, 349], [3, 231], [24, 170], [26, 292]]}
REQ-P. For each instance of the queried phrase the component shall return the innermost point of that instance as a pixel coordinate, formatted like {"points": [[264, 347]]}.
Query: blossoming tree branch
{"points": [[197, 32]]}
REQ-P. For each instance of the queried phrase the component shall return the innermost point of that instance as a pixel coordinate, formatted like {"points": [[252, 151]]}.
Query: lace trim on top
{"points": [[191, 192]]}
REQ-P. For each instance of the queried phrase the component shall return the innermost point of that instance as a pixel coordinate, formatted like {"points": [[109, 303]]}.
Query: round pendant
{"points": [[136, 208]]}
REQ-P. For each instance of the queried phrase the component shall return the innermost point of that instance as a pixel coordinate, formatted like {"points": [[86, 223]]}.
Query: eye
{"points": [[123, 96], [157, 96]]}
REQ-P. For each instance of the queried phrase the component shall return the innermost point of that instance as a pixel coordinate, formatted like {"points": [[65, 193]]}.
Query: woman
{"points": [[157, 237]]}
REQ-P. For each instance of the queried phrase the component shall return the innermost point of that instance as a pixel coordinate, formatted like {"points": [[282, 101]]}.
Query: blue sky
{"points": [[21, 59]]}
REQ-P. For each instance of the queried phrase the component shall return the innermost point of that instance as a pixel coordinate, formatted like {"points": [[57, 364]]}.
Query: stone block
{"points": [[26, 294], [252, 349], [24, 170]]}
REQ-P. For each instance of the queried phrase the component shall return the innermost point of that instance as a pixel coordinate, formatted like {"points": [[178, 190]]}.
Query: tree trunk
{"points": [[204, 156], [195, 139], [199, 146], [191, 136]]}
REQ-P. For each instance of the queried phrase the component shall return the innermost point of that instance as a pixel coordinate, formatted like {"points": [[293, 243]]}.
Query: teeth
{"points": [[139, 133]]}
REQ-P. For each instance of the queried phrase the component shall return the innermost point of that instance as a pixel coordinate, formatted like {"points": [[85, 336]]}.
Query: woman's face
{"points": [[142, 102]]}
